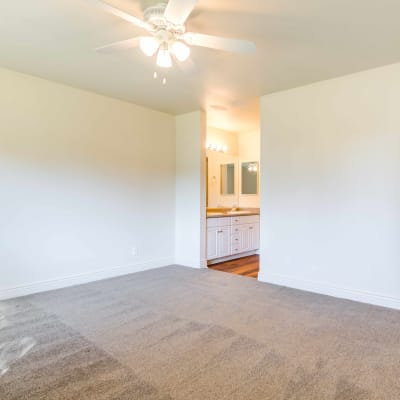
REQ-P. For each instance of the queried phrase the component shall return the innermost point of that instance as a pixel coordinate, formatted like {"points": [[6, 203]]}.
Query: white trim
{"points": [[326, 289], [232, 257], [72, 280]]}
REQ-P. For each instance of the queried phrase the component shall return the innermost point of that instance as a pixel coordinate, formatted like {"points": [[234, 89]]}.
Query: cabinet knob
{"points": [[250, 227]]}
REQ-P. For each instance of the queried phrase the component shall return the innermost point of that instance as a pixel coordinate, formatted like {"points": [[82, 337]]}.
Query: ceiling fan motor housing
{"points": [[155, 15]]}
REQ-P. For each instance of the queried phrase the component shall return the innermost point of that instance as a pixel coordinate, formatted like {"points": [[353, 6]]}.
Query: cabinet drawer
{"points": [[245, 219], [235, 239], [235, 229], [215, 222], [236, 249]]}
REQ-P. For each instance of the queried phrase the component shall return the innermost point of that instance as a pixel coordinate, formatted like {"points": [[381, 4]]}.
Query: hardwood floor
{"points": [[247, 266]]}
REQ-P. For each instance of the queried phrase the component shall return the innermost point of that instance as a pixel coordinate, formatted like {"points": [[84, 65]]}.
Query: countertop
{"points": [[229, 213]]}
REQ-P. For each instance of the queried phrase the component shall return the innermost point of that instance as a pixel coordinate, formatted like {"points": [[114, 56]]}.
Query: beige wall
{"points": [[242, 147], [221, 137], [215, 159], [330, 198], [249, 150], [83, 180]]}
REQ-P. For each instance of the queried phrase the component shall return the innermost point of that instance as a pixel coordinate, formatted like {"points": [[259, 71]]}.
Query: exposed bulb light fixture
{"points": [[164, 57], [149, 45], [222, 148], [253, 168], [180, 51]]}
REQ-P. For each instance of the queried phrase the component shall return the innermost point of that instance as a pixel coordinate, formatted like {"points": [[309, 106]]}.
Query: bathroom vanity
{"points": [[232, 235]]}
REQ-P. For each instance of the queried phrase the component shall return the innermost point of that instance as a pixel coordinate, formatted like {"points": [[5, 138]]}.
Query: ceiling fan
{"points": [[165, 24]]}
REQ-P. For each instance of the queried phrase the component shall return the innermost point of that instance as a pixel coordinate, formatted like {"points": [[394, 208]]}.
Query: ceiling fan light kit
{"points": [[149, 45], [181, 51], [164, 57], [165, 23]]}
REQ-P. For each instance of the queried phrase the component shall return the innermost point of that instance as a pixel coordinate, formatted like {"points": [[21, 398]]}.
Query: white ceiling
{"points": [[298, 42]]}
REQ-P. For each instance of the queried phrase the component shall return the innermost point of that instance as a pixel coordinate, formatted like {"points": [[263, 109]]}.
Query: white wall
{"points": [[83, 179], [190, 247], [330, 156]]}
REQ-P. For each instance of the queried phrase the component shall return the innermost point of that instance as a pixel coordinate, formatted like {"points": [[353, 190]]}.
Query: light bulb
{"points": [[149, 45], [181, 51], [164, 58]]}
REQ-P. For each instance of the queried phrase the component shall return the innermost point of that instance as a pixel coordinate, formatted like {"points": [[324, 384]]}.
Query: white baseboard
{"points": [[323, 288], [72, 280]]}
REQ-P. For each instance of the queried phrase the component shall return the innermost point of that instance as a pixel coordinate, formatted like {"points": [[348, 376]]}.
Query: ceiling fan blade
{"points": [[219, 43], [122, 14], [178, 11], [123, 45]]}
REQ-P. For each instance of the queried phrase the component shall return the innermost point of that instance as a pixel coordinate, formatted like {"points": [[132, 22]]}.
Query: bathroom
{"points": [[233, 200]]}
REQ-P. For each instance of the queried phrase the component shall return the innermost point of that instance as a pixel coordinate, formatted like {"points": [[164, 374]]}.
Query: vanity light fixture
{"points": [[221, 148], [252, 168]]}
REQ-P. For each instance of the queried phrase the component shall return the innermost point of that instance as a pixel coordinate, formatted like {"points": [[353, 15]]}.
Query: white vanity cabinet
{"points": [[231, 237], [218, 238]]}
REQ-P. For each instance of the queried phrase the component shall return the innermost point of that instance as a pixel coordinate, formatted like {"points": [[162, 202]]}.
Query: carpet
{"points": [[178, 333]]}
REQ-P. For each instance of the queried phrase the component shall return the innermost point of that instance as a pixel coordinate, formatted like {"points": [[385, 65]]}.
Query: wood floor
{"points": [[247, 266]]}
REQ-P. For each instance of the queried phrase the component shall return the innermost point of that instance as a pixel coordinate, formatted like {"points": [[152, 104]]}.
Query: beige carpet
{"points": [[180, 333]]}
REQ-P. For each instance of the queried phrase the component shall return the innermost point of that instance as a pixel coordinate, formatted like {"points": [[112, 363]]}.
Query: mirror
{"points": [[227, 179], [250, 177]]}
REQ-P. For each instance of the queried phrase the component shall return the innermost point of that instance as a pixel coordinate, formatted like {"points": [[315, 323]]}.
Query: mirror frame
{"points": [[241, 178], [221, 166]]}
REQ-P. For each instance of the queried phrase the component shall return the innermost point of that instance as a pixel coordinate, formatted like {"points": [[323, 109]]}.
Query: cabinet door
{"points": [[245, 238], [254, 236], [212, 242], [224, 241]]}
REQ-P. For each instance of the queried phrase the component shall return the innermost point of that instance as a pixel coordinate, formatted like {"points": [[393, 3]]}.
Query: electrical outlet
{"points": [[134, 251]]}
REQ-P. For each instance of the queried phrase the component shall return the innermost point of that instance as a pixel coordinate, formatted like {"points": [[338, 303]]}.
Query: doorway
{"points": [[233, 200]]}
